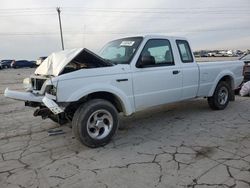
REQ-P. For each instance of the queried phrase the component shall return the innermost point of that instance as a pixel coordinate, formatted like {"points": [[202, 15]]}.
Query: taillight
{"points": [[244, 69]]}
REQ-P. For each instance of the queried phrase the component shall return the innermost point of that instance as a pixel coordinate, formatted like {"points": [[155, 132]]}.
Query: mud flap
{"points": [[232, 95]]}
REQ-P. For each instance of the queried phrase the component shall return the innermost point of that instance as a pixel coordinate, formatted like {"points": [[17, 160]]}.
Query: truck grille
{"points": [[37, 83]]}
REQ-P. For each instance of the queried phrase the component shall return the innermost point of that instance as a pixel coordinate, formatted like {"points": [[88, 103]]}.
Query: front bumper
{"points": [[22, 96], [31, 97]]}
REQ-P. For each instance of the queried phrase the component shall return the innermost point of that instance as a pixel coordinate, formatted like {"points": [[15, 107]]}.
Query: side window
{"points": [[156, 52], [184, 51]]}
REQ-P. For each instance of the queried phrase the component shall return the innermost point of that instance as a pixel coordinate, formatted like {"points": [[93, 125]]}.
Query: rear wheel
{"points": [[95, 122], [221, 96]]}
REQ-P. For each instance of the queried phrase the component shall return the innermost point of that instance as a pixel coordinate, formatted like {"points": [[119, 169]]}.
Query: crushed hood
{"points": [[55, 63]]}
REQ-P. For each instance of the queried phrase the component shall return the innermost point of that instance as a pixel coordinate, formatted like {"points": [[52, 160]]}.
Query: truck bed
{"points": [[210, 73]]}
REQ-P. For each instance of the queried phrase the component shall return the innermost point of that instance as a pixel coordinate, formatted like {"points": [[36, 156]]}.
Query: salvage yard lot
{"points": [[179, 145]]}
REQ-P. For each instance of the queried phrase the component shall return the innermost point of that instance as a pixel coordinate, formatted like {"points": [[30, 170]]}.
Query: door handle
{"points": [[176, 72], [122, 80]]}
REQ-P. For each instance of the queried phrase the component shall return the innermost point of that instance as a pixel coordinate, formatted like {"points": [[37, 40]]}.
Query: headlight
{"points": [[27, 84], [50, 89]]}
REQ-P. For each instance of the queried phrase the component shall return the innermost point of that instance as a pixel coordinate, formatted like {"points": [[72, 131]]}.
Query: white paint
{"points": [[144, 87]]}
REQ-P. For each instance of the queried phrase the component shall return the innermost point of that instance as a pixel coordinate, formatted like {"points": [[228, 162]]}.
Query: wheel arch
{"points": [[112, 98], [119, 99], [227, 77]]}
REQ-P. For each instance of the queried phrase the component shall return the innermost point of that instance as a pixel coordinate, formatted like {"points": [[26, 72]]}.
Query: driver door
{"points": [[159, 80]]}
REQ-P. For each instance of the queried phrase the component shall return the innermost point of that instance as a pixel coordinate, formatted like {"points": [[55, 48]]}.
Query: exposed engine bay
{"points": [[70, 60], [85, 60]]}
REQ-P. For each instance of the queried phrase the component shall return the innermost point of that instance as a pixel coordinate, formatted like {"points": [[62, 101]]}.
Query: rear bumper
{"points": [[30, 97]]}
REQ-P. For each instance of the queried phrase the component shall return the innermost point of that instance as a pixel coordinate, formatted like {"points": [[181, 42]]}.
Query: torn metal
{"points": [[70, 60]]}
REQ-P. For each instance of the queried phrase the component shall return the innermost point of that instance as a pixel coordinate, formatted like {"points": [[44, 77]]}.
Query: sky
{"points": [[30, 29]]}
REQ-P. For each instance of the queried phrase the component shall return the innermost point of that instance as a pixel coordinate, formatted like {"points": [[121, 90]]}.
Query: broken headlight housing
{"points": [[51, 89], [27, 84]]}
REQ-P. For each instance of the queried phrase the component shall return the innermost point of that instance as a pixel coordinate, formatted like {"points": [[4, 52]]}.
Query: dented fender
{"points": [[119, 94]]}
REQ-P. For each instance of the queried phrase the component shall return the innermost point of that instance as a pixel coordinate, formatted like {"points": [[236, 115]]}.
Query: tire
{"points": [[221, 96], [74, 123], [95, 123]]}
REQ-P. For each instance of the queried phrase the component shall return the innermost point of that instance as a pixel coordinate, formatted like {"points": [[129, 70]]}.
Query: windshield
{"points": [[121, 51]]}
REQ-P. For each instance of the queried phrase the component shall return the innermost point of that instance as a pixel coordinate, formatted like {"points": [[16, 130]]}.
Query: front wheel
{"points": [[221, 96], [95, 122]]}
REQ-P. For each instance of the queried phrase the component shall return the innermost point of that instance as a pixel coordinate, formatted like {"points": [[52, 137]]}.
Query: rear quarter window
{"points": [[184, 51]]}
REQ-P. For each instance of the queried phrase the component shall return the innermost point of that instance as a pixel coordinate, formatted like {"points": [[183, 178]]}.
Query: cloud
{"points": [[91, 23]]}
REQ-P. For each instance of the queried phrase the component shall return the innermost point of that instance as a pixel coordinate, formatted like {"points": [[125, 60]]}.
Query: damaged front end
{"points": [[41, 99], [41, 88]]}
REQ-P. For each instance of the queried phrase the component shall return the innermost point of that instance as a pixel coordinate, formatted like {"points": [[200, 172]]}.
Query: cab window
{"points": [[157, 52], [184, 51]]}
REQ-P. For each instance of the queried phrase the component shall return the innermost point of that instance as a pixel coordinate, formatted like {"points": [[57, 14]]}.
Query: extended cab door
{"points": [[190, 70], [156, 79]]}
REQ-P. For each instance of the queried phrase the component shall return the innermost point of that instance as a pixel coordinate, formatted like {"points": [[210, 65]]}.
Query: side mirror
{"points": [[146, 60]]}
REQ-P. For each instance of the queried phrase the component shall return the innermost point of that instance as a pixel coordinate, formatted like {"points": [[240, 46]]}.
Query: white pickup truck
{"points": [[129, 75]]}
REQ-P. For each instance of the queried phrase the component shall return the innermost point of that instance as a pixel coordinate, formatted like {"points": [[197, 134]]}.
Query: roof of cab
{"points": [[153, 36], [163, 36]]}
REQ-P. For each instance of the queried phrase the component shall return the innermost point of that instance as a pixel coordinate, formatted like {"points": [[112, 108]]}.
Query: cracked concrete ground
{"points": [[179, 145]]}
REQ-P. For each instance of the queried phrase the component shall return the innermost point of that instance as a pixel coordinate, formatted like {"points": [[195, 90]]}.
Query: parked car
{"points": [[5, 63], [22, 64], [129, 75], [246, 69], [34, 62], [40, 60]]}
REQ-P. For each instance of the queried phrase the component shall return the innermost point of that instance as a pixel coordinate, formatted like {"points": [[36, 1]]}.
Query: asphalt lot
{"points": [[179, 145]]}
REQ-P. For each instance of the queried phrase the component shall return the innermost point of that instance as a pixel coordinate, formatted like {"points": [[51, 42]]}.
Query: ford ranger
{"points": [[128, 75]]}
